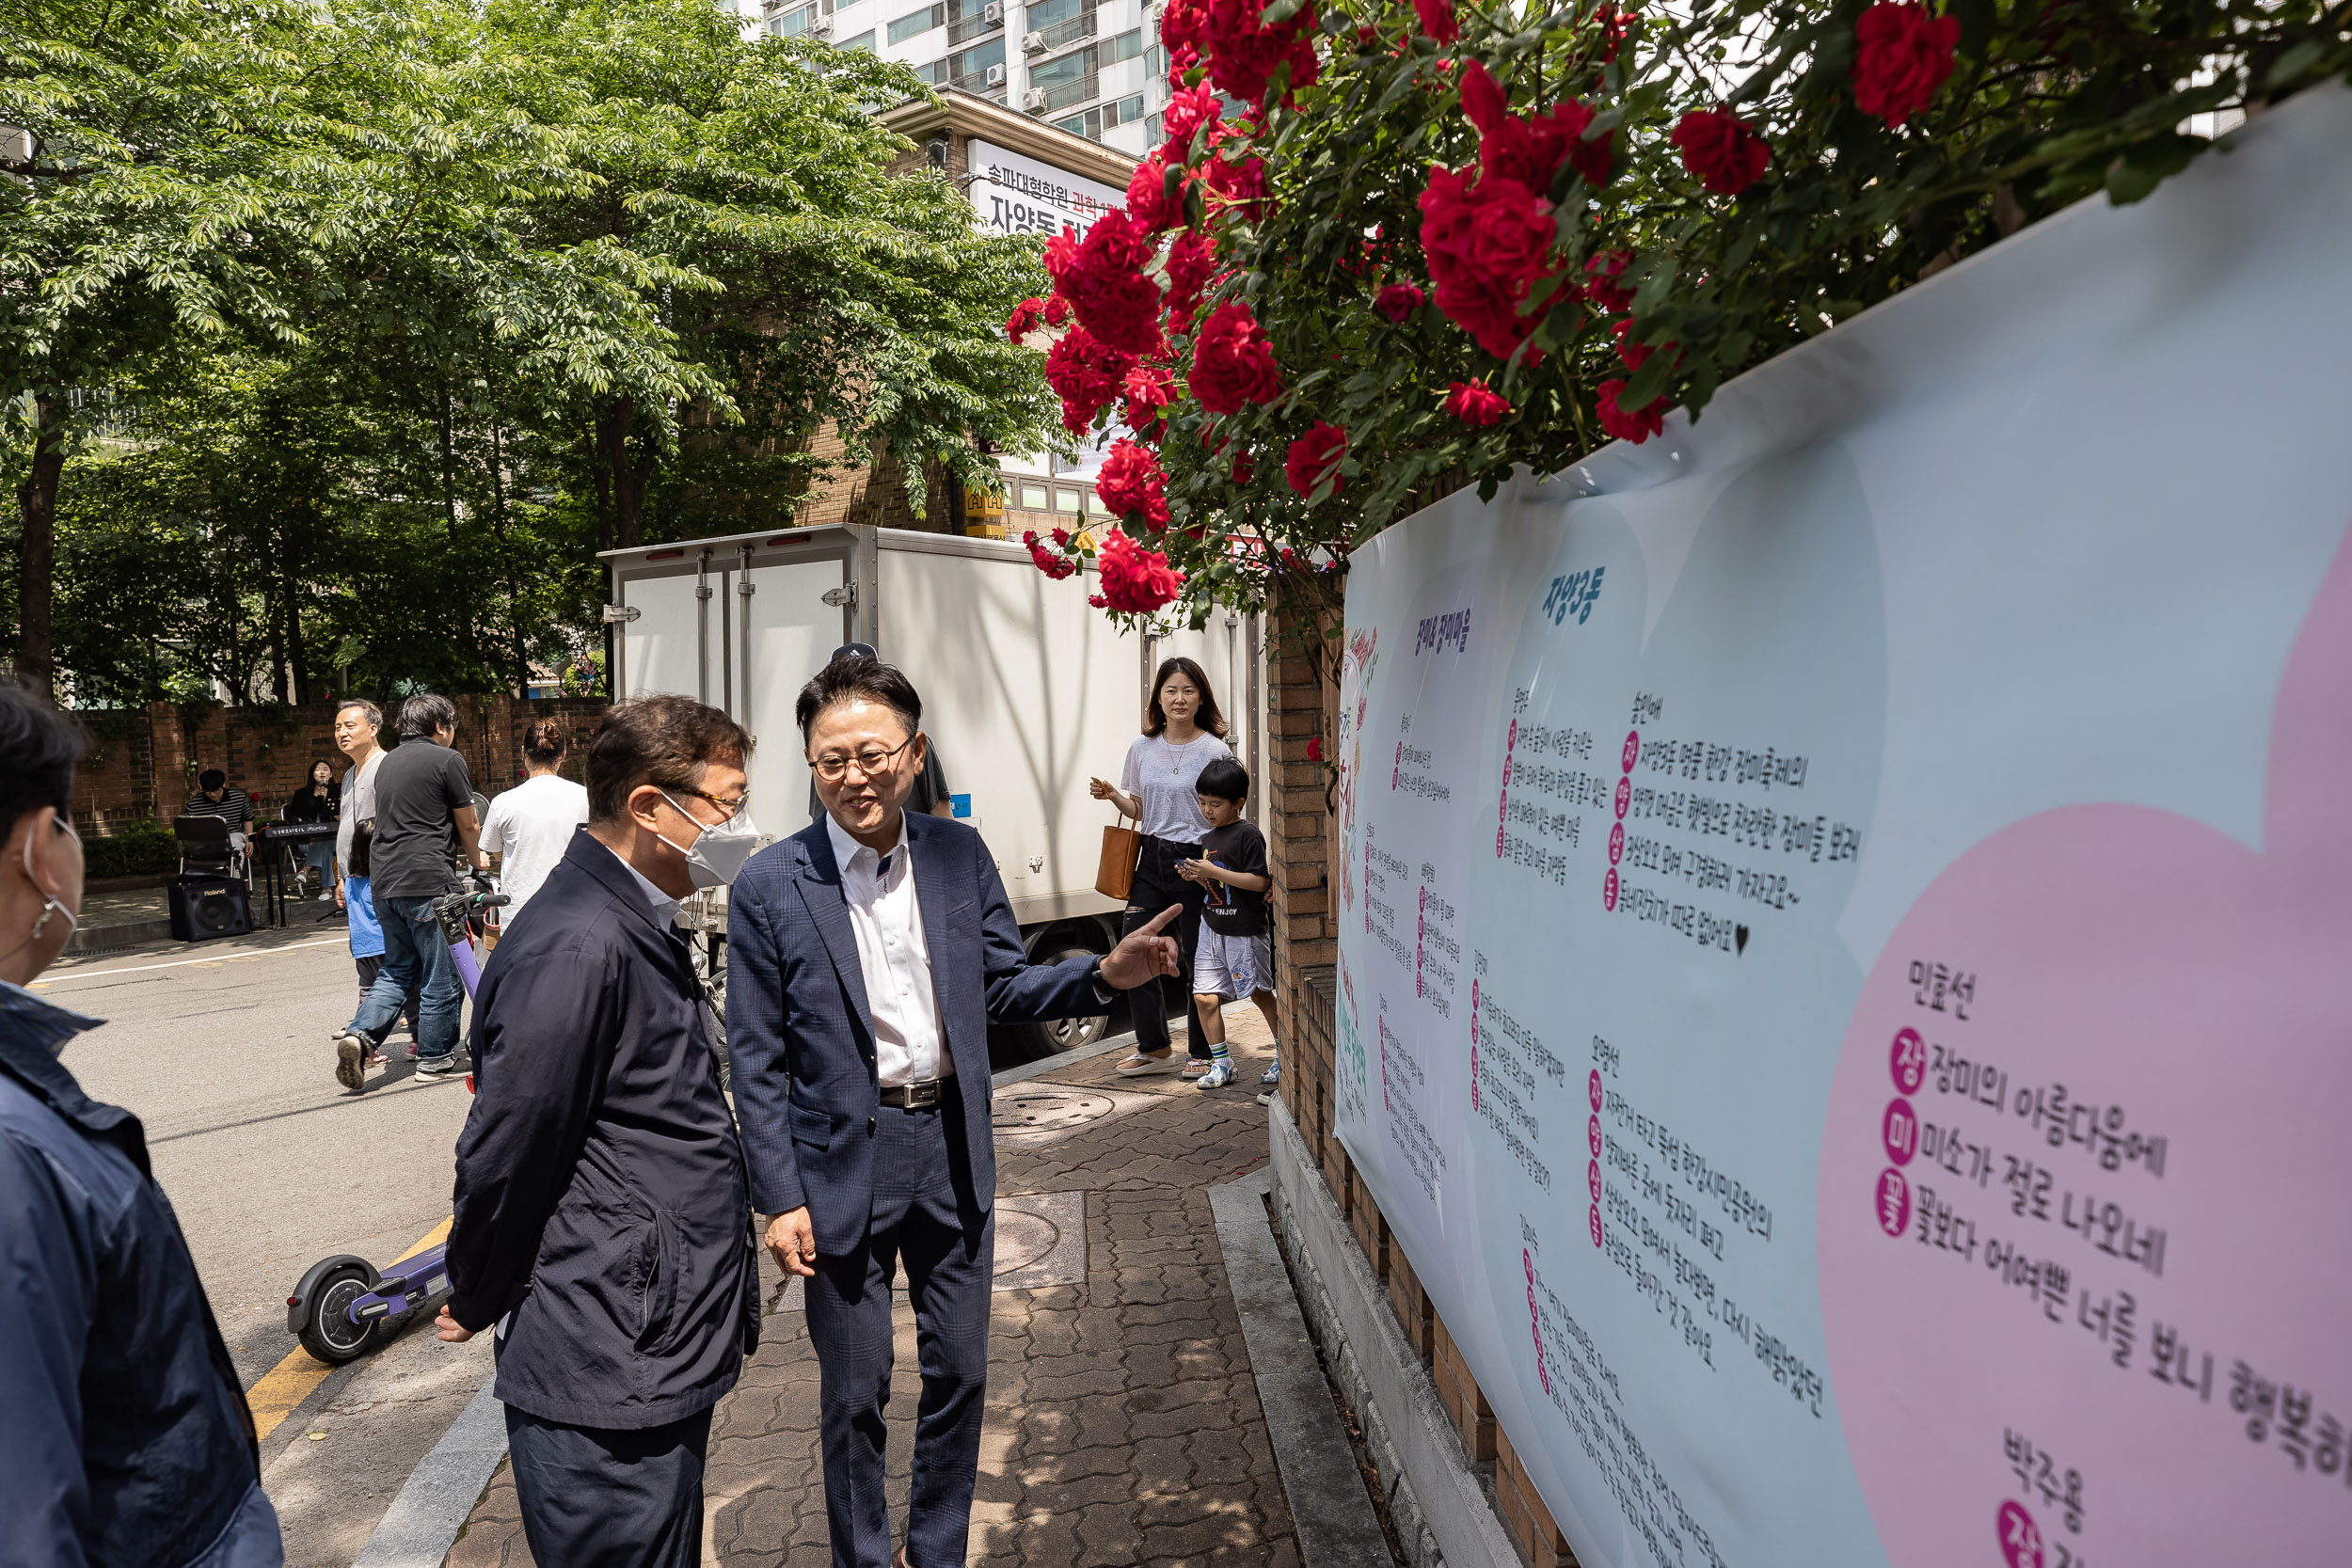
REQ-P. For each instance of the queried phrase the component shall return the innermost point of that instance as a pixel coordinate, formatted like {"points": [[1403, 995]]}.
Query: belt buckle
{"points": [[922, 1095]]}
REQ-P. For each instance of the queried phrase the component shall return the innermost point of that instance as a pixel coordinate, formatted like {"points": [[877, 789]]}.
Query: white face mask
{"points": [[718, 854]]}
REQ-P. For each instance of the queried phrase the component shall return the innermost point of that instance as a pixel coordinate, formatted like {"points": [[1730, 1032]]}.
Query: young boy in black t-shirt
{"points": [[1235, 957]]}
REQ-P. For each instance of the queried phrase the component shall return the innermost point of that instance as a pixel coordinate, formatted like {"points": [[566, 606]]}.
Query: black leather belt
{"points": [[917, 1096]]}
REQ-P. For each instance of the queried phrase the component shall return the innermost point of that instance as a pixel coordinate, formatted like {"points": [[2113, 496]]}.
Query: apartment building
{"points": [[1091, 68]]}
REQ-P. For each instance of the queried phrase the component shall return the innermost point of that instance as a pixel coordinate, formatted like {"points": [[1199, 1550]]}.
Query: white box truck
{"points": [[1028, 692]]}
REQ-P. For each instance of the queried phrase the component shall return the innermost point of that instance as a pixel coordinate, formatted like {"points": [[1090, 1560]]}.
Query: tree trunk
{"points": [[449, 469], [630, 476], [507, 554], [37, 507]]}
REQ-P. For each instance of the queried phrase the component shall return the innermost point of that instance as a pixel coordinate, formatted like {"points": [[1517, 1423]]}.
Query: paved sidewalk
{"points": [[1123, 1423]]}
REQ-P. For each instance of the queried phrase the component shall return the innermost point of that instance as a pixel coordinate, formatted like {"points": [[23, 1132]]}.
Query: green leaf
{"points": [[2143, 167], [1281, 11], [2290, 67]]}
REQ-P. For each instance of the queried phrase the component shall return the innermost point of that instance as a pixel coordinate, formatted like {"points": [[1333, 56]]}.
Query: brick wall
{"points": [[143, 762], [1299, 839]]}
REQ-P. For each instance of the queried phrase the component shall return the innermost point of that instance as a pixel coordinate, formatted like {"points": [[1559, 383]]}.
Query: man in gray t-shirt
{"points": [[424, 821]]}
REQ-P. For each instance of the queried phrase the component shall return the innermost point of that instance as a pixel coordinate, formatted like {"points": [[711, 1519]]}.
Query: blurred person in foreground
{"points": [[868, 953], [126, 1440], [602, 1221]]}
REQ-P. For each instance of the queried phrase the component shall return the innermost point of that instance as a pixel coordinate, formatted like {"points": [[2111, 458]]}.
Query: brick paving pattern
{"points": [[1123, 1426]]}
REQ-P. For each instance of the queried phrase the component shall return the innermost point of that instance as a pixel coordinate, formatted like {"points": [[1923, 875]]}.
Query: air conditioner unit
{"points": [[1033, 43], [993, 14], [995, 76], [1034, 99], [820, 27]]}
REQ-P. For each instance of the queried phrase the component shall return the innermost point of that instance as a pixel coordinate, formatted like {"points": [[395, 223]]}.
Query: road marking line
{"points": [[279, 1390], [179, 963]]}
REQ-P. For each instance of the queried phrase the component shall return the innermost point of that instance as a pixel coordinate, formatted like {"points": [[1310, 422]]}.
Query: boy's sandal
{"points": [[1197, 1066], [1139, 1063]]}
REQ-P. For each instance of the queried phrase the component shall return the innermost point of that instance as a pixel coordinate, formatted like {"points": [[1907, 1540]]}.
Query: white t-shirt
{"points": [[1162, 777], [531, 825]]}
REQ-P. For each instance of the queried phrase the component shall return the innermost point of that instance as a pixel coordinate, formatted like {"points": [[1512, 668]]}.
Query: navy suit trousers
{"points": [[925, 1216], [598, 1498]]}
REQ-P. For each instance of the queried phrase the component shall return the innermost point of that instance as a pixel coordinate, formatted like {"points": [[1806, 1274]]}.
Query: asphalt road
{"points": [[221, 1050]]}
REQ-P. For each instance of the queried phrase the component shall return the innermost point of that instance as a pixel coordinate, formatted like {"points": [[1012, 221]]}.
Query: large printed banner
{"points": [[1846, 963]]}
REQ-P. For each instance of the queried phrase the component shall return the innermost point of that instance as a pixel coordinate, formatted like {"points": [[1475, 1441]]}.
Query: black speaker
{"points": [[208, 907]]}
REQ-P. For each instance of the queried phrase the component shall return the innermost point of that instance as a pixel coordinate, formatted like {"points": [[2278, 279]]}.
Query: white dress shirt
{"points": [[895, 958], [664, 908]]}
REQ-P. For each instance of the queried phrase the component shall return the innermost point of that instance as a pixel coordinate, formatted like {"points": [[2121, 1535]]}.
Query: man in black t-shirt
{"points": [[216, 796], [424, 821], [1235, 957]]}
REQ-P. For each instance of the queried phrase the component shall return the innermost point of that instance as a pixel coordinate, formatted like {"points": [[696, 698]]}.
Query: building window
{"points": [[969, 68], [1067, 499], [913, 23], [1127, 47], [1036, 497], [864, 41]]}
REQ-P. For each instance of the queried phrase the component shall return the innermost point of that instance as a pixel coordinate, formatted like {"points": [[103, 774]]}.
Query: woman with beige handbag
{"points": [[1182, 732]]}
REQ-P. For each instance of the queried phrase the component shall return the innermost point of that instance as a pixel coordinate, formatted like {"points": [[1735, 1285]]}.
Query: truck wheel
{"points": [[327, 1331], [1056, 1036]]}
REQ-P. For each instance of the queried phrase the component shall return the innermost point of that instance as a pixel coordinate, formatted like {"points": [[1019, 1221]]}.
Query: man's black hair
{"points": [[1225, 779], [211, 778], [425, 713], [665, 741], [39, 747], [854, 677]]}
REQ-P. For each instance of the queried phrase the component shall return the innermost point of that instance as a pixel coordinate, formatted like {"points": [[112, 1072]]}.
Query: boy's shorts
{"points": [[1232, 968]]}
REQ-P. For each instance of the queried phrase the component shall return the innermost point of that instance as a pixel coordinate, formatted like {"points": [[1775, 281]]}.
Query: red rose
{"points": [[1314, 747], [1148, 201], [1902, 55], [1315, 457], [1100, 276], [1244, 53], [1057, 310], [1188, 109], [1191, 263], [1600, 281], [1437, 20], [1023, 319], [1135, 579], [1148, 390], [1183, 27], [1243, 468], [1131, 484], [1637, 426], [1633, 353], [1398, 301], [1232, 363], [1053, 565], [1239, 188], [1487, 240], [1085, 375], [1474, 402], [1531, 151], [1721, 150]]}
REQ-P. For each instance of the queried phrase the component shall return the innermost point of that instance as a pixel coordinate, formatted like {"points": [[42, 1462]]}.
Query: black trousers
{"points": [[1156, 886], [926, 1216], [601, 1498]]}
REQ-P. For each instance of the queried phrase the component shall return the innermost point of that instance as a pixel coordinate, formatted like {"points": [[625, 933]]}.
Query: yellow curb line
{"points": [[284, 1386]]}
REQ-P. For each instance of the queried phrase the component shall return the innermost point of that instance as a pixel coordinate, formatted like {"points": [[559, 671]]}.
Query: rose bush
{"points": [[1416, 244]]}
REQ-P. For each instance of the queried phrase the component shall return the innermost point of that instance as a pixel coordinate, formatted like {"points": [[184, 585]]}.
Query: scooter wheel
{"points": [[327, 1331]]}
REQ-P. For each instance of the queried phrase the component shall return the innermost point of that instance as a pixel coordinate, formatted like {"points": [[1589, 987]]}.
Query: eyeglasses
{"points": [[731, 804], [833, 767]]}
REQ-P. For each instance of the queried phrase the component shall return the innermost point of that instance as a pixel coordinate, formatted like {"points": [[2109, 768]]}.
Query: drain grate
{"points": [[1040, 1113]]}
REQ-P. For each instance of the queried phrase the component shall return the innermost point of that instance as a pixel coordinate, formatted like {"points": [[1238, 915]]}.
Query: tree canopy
{"points": [[334, 342]]}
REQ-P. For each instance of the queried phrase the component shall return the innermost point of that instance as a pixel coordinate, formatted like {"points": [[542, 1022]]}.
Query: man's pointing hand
{"points": [[1143, 954]]}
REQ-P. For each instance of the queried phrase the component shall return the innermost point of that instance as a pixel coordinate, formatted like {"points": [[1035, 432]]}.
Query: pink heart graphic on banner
{"points": [[2144, 1343]]}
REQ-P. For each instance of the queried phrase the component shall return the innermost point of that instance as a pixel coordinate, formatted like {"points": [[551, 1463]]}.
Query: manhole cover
{"points": [[1044, 1111], [1022, 1238]]}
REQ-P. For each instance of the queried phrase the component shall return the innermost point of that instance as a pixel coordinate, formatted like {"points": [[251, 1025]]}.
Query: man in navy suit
{"points": [[866, 955]]}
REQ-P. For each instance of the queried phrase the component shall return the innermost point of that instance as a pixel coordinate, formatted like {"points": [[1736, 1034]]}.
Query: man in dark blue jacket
{"points": [[603, 1220], [124, 1436], [866, 955]]}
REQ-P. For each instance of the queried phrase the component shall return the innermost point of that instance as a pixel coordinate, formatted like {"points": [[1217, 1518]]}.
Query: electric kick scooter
{"points": [[341, 1307]]}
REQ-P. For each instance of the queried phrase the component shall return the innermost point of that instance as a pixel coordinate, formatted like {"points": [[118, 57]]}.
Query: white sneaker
{"points": [[1274, 1073], [1219, 1074]]}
